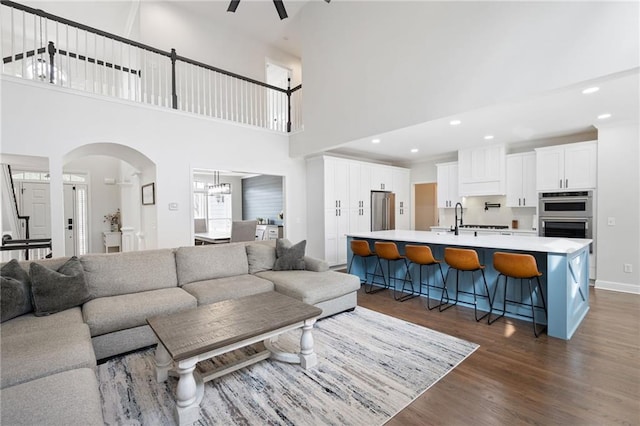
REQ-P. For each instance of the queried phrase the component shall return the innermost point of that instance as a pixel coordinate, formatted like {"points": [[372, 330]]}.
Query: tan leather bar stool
{"points": [[389, 252], [361, 250], [465, 260], [523, 267], [423, 256]]}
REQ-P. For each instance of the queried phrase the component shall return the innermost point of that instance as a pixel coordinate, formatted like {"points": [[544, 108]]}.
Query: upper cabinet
{"points": [[563, 167], [447, 185], [381, 178], [521, 180], [482, 171], [359, 197]]}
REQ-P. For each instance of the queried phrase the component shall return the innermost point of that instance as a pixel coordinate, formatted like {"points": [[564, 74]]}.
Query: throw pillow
{"points": [[15, 294], [289, 257], [261, 257], [54, 291]]}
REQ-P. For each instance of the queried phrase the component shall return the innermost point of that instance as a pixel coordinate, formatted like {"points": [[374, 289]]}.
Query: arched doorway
{"points": [[106, 189]]}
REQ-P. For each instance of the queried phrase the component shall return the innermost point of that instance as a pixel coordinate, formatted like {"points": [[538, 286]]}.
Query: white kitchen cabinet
{"points": [[339, 201], [447, 191], [402, 189], [563, 167], [359, 197], [381, 178], [482, 171], [521, 180]]}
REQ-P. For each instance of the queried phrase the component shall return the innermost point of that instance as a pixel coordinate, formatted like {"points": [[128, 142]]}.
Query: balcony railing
{"points": [[43, 47]]}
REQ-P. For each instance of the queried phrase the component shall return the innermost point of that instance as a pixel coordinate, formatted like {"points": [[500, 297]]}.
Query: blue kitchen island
{"points": [[563, 262]]}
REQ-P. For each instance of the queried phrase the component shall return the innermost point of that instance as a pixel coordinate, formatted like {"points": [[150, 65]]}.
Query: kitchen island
{"points": [[563, 262]]}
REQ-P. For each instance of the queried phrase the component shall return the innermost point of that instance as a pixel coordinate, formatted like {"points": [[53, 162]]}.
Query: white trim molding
{"points": [[621, 287]]}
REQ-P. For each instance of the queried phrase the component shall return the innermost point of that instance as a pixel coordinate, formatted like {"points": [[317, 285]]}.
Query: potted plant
{"points": [[113, 219]]}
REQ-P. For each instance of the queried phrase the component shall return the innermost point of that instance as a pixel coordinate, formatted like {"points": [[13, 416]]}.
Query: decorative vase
{"points": [[114, 227]]}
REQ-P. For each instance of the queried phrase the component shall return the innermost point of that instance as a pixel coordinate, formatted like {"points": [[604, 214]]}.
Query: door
{"points": [[277, 101], [426, 210], [76, 231], [36, 203], [550, 169], [580, 166]]}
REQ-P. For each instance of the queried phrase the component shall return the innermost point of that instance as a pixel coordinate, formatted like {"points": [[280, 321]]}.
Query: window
{"points": [[215, 208]]}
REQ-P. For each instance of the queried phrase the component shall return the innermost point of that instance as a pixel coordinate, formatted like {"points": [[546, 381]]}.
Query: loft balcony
{"points": [[50, 49]]}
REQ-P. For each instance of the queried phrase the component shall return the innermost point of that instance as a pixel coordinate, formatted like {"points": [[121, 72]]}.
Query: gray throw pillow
{"points": [[289, 257], [54, 291], [261, 257], [15, 297]]}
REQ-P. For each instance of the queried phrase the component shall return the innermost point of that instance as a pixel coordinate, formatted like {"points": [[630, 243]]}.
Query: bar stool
{"points": [[524, 267], [423, 256], [389, 252], [465, 260], [361, 249]]}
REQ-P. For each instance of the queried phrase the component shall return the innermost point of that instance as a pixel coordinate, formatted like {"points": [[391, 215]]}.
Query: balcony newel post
{"points": [[289, 105], [174, 94], [51, 49]]}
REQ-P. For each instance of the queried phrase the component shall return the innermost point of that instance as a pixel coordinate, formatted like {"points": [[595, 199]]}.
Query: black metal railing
{"points": [[35, 248], [59, 51]]}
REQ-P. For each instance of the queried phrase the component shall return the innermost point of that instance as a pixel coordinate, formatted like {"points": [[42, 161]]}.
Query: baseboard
{"points": [[621, 287]]}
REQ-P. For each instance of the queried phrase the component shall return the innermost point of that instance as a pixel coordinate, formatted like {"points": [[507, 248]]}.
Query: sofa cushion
{"points": [[312, 287], [289, 256], [109, 314], [211, 291], [211, 261], [29, 322], [130, 272], [15, 291], [54, 291], [261, 257], [66, 398], [29, 356]]}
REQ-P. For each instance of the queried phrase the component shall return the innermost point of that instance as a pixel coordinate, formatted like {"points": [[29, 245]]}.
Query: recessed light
{"points": [[590, 90], [455, 122], [603, 116], [488, 137], [375, 140], [414, 150]]}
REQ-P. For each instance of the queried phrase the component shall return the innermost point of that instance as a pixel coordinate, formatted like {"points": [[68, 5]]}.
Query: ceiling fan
{"points": [[282, 12]]}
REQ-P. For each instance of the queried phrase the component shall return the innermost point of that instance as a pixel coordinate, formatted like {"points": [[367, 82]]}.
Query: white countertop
{"points": [[447, 228], [506, 242]]}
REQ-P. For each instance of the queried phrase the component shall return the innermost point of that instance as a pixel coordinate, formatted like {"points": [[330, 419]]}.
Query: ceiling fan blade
{"points": [[233, 5], [280, 8]]}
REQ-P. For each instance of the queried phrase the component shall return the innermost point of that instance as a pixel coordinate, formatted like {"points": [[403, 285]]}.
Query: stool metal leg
{"points": [[413, 293], [444, 284], [475, 302], [504, 300], [533, 313], [444, 288], [371, 290]]}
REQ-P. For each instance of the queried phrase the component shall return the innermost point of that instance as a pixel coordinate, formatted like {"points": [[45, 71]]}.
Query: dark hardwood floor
{"points": [[514, 378]]}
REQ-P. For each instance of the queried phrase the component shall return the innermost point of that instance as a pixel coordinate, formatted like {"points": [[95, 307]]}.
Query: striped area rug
{"points": [[370, 367]]}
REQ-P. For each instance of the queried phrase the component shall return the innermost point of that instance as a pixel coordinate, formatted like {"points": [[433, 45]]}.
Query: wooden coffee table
{"points": [[188, 337]]}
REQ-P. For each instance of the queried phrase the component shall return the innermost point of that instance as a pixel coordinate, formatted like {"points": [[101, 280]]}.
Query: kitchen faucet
{"points": [[456, 213]]}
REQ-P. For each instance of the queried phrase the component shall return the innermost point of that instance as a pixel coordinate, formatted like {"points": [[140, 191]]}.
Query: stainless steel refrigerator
{"points": [[383, 210]]}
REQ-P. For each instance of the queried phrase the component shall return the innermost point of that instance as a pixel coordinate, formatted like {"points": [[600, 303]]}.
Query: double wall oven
{"points": [[566, 214]]}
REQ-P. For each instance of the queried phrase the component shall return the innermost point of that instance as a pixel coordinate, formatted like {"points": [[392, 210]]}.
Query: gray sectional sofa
{"points": [[48, 363]]}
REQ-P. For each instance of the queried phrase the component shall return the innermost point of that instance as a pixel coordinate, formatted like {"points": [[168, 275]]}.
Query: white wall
{"points": [[371, 67], [167, 25], [175, 142], [618, 197]]}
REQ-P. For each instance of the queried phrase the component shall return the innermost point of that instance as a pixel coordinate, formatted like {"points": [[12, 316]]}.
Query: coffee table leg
{"points": [[308, 358], [187, 401], [163, 363]]}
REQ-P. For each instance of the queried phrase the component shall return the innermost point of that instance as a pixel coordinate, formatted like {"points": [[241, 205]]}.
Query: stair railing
{"points": [[59, 51]]}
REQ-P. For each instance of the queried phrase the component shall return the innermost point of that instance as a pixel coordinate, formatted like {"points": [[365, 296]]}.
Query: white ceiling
{"points": [[559, 113]]}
